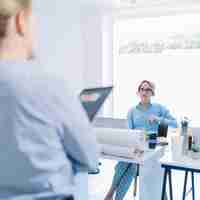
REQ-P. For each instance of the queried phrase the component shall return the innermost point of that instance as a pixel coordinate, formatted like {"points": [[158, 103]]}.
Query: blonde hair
{"points": [[9, 8]]}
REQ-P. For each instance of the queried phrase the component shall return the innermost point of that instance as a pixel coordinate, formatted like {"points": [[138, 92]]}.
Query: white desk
{"points": [[137, 159], [185, 164], [184, 161], [151, 173]]}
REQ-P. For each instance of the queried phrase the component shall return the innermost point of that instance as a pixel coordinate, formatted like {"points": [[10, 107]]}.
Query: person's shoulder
{"points": [[132, 109], [33, 81], [158, 105]]}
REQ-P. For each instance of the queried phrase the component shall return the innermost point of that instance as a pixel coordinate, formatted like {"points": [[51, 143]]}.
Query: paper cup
{"points": [[176, 147]]}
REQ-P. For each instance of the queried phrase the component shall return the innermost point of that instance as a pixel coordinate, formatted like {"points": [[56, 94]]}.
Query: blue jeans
{"points": [[124, 175]]}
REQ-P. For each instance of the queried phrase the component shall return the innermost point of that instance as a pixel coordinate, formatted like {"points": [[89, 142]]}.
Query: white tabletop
{"points": [[184, 161], [138, 158]]}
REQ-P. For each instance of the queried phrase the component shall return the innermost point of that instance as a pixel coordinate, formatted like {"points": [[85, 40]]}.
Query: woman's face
{"points": [[145, 93]]}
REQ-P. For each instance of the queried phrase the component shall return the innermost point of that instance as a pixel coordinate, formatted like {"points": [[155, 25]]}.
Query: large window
{"points": [[165, 50]]}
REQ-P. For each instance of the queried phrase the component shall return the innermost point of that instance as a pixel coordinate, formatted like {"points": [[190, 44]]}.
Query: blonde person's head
{"points": [[11, 7], [16, 24], [8, 9]]}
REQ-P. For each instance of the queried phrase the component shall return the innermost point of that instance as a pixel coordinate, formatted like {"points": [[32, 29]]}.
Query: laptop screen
{"points": [[93, 98]]}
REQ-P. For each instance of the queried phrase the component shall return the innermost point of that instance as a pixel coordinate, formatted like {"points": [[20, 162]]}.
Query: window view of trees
{"points": [[174, 42]]}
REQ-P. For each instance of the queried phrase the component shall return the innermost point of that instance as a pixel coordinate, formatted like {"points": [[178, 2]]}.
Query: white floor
{"points": [[99, 184]]}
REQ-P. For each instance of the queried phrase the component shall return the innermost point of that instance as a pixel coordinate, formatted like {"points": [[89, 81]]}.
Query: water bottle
{"points": [[184, 133]]}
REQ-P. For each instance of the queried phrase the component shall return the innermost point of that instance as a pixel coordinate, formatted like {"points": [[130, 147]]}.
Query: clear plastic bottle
{"points": [[184, 133]]}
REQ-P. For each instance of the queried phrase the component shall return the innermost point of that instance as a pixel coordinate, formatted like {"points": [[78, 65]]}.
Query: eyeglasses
{"points": [[146, 90]]}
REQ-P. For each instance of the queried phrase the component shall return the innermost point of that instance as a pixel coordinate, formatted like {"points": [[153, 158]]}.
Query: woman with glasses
{"points": [[146, 115]]}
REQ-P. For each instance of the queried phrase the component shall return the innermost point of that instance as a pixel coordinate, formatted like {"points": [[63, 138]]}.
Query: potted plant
{"points": [[195, 153]]}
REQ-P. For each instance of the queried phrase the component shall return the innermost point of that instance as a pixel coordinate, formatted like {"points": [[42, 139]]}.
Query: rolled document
{"points": [[120, 151], [121, 137]]}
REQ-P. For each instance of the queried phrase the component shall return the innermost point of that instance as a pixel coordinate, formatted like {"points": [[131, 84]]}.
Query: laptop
{"points": [[92, 99]]}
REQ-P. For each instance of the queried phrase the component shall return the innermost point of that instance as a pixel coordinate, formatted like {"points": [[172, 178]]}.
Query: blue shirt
{"points": [[138, 117], [44, 133]]}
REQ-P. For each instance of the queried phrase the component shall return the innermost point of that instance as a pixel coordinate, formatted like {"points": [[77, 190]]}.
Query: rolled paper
{"points": [[121, 137], [114, 150]]}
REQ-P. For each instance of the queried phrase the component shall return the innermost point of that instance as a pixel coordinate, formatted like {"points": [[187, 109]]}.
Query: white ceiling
{"points": [[151, 8]]}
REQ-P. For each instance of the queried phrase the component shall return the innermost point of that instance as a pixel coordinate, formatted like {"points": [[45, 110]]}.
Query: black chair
{"points": [[162, 129], [97, 171]]}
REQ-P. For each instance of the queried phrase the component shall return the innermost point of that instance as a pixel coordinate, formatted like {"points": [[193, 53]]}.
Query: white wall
{"points": [[60, 42], [92, 32], [70, 39]]}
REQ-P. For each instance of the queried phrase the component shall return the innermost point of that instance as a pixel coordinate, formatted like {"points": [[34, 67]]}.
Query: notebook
{"points": [[92, 99]]}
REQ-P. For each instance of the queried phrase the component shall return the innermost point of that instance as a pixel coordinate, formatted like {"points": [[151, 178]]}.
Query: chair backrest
{"points": [[162, 129]]}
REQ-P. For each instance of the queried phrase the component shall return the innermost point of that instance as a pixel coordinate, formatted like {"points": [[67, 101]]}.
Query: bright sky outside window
{"points": [[165, 50]]}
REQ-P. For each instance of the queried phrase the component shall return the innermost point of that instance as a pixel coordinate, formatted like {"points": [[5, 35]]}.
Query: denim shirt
{"points": [[138, 117], [45, 134]]}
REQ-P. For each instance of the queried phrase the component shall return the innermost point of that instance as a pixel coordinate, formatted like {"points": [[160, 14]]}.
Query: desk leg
{"points": [[164, 184], [193, 194], [81, 189], [151, 178], [170, 184], [185, 185]]}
